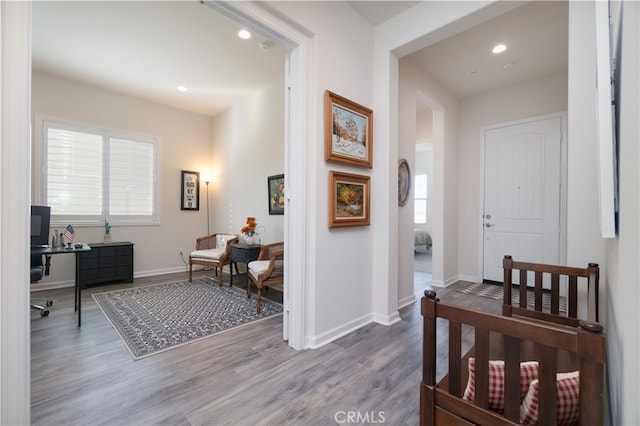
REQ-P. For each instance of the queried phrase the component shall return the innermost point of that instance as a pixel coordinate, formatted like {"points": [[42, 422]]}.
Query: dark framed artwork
{"points": [[348, 131], [349, 202], [404, 182], [190, 192], [275, 190]]}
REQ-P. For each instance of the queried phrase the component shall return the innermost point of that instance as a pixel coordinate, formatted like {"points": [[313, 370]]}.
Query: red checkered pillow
{"points": [[567, 405], [528, 373]]}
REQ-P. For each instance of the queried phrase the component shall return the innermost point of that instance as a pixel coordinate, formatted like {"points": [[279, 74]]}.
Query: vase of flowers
{"points": [[249, 230]]}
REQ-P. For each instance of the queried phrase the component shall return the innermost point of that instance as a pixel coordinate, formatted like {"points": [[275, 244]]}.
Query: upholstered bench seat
{"points": [[209, 254], [258, 267]]}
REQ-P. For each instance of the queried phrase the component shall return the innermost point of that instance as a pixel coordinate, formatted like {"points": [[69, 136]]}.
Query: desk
{"points": [[243, 253], [47, 252]]}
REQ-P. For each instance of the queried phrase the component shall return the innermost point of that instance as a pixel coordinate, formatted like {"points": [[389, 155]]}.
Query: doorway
{"points": [[523, 195]]}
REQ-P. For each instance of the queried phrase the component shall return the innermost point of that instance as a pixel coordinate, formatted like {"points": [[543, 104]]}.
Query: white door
{"points": [[522, 194]]}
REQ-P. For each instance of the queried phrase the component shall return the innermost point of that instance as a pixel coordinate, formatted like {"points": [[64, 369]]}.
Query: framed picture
{"points": [[348, 131], [275, 188], [349, 201], [190, 199], [404, 182]]}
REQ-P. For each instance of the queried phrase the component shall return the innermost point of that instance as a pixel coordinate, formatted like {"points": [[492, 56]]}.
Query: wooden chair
{"points": [[212, 251], [556, 348], [267, 270], [588, 276]]}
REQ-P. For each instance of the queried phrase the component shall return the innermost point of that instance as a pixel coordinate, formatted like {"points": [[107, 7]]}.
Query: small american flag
{"points": [[69, 233]]}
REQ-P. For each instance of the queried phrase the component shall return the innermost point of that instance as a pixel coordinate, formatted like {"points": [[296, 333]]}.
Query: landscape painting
{"points": [[349, 199], [348, 131]]}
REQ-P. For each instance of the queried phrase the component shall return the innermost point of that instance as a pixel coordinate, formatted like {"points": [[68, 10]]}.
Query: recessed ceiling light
{"points": [[508, 65], [499, 48], [182, 88], [244, 34]]}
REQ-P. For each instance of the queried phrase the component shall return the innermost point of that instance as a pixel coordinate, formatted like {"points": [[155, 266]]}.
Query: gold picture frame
{"points": [[348, 131], [349, 199]]}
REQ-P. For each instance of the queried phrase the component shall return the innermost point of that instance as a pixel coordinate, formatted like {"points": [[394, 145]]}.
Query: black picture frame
{"points": [[190, 190], [275, 191]]}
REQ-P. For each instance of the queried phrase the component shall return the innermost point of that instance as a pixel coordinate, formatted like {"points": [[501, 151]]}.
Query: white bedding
{"points": [[422, 238]]}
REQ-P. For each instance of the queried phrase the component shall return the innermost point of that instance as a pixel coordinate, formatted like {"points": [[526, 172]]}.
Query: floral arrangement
{"points": [[250, 228]]}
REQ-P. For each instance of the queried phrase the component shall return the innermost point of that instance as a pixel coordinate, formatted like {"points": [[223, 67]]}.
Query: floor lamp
{"points": [[207, 182]]}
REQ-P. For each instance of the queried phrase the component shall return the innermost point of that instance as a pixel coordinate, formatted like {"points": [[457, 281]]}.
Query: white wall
{"points": [[424, 124], [248, 146], [622, 292], [339, 263], [534, 98]]}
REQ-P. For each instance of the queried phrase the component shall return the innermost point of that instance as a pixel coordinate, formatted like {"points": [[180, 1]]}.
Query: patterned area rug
{"points": [[156, 318], [495, 292]]}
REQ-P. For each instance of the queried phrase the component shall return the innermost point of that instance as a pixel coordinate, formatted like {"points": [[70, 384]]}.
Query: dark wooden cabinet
{"points": [[106, 262]]}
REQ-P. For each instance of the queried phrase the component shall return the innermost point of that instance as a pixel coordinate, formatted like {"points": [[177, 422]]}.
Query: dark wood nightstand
{"points": [[243, 253]]}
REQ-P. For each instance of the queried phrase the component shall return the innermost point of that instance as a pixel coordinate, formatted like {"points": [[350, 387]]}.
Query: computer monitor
{"points": [[40, 220]]}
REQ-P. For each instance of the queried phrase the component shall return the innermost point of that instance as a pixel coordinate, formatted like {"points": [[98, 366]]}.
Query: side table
{"points": [[243, 253]]}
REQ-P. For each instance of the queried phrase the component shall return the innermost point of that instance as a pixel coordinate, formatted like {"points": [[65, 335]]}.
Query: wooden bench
{"points": [[556, 348], [553, 274]]}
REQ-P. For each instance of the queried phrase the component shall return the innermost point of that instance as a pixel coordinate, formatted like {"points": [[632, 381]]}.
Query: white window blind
{"points": [[420, 199], [74, 172], [131, 178], [93, 175]]}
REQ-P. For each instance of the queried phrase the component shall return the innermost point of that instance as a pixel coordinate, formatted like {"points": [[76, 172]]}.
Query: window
{"points": [[420, 199], [90, 175]]}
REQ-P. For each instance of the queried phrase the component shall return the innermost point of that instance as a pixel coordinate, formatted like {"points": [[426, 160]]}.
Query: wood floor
{"points": [[86, 376]]}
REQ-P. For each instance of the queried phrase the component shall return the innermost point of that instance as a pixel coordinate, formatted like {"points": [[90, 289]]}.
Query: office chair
{"points": [[38, 270]]}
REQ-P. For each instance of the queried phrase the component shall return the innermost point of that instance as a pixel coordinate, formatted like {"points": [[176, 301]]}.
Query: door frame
{"points": [[562, 250]]}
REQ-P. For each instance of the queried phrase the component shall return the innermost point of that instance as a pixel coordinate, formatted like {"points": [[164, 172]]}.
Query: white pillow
{"points": [[221, 240]]}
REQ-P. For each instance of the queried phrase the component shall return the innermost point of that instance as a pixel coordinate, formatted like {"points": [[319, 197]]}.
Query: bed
{"points": [[517, 370], [422, 240]]}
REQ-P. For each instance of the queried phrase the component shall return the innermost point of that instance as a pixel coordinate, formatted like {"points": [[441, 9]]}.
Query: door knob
{"points": [[489, 225]]}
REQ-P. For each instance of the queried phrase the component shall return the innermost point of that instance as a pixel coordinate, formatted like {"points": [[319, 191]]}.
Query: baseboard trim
{"points": [[314, 342], [387, 319], [407, 301], [446, 283], [63, 284]]}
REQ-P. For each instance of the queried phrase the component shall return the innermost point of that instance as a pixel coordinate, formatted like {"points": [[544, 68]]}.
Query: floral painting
{"points": [[275, 187]]}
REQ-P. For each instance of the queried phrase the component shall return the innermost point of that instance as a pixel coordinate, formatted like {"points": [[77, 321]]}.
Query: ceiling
{"points": [[147, 49], [187, 43], [536, 36]]}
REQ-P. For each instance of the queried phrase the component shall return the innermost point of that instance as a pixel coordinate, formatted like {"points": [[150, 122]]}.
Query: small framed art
{"points": [[190, 199], [348, 131], [275, 187], [349, 202]]}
